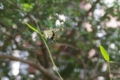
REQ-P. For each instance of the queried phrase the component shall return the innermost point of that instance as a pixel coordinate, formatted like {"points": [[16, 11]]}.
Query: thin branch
{"points": [[68, 45], [37, 66], [16, 59]]}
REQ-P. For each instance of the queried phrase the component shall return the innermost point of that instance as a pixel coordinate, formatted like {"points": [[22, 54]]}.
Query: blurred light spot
{"points": [[15, 70], [34, 35], [24, 54], [50, 17], [62, 17], [113, 22], [111, 75], [109, 3], [14, 26], [55, 68], [4, 78], [1, 43], [1, 6], [15, 64], [98, 12], [98, 27], [3, 29], [18, 77], [88, 27], [104, 67], [91, 53], [31, 76], [94, 59], [18, 38], [57, 22], [14, 46], [87, 6], [100, 78], [3, 64], [24, 68], [25, 20], [61, 20], [82, 72], [101, 33], [77, 70], [16, 53], [112, 46]]}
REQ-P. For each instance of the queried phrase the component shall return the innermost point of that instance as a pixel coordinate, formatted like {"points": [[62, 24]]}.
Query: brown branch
{"points": [[22, 60], [16, 59], [63, 47], [47, 72], [68, 45]]}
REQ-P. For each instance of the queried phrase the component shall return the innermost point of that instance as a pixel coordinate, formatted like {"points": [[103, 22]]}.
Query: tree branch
{"points": [[16, 59], [47, 72]]}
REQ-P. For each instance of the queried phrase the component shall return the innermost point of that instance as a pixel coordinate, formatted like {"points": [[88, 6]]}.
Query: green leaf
{"points": [[27, 7], [104, 54], [32, 28]]}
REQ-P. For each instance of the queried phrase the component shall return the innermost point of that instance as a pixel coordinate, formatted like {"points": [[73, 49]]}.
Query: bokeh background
{"points": [[87, 24]]}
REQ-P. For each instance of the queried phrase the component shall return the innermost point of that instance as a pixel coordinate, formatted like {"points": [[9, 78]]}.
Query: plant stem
{"points": [[109, 70], [51, 58]]}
